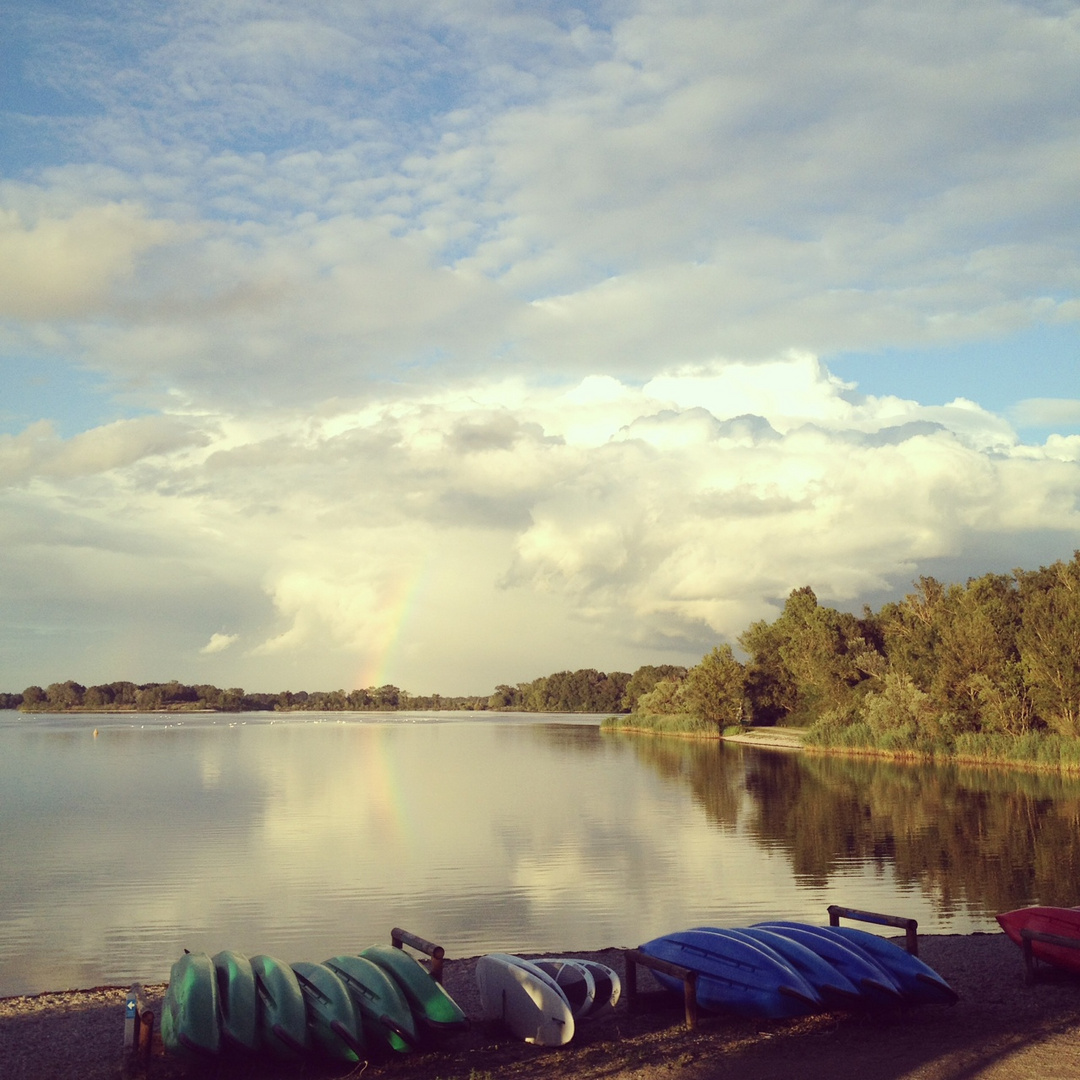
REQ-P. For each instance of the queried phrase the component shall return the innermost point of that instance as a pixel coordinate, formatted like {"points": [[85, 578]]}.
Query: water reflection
{"points": [[306, 838], [970, 839]]}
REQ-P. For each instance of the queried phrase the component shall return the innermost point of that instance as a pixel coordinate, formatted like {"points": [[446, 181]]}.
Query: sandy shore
{"points": [[1000, 1030]]}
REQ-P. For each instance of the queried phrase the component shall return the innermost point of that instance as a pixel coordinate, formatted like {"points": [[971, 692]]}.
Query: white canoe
{"points": [[526, 999]]}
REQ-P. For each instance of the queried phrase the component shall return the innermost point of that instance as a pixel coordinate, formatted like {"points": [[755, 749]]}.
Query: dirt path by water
{"points": [[1000, 1030]]}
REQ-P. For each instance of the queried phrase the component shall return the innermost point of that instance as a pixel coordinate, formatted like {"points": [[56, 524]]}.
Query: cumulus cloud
{"points": [[480, 341], [525, 523], [218, 643]]}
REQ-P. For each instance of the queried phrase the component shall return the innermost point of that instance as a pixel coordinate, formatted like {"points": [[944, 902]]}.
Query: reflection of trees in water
{"points": [[713, 774], [986, 839]]}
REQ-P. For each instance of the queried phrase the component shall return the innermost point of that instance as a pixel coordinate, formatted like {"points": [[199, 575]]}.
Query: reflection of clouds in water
{"points": [[306, 839]]}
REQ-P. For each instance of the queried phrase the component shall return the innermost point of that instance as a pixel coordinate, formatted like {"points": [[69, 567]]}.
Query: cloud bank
{"points": [[453, 345]]}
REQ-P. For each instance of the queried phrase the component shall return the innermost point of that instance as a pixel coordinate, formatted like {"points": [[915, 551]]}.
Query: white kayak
{"points": [[575, 980], [526, 999]]}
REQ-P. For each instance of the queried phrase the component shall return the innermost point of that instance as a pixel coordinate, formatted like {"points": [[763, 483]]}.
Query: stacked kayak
{"points": [[780, 970], [540, 1001], [338, 1011]]}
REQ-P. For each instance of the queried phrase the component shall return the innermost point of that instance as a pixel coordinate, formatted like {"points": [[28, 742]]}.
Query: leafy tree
{"points": [[645, 679], [1049, 643], [715, 689]]}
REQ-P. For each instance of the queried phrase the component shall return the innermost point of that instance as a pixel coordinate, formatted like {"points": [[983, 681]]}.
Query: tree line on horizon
{"points": [[583, 691], [998, 656]]}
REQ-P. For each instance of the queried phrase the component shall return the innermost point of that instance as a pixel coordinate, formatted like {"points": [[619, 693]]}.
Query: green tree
{"points": [[1049, 643], [715, 689]]}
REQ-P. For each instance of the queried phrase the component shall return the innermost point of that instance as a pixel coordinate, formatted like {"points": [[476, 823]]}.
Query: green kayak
{"points": [[237, 1006], [385, 1013], [334, 1026], [281, 1011], [189, 1015], [428, 1000]]}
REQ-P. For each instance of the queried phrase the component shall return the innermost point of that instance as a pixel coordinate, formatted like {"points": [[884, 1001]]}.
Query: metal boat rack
{"points": [[635, 957]]}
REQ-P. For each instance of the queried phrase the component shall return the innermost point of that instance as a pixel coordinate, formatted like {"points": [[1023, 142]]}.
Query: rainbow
{"points": [[398, 609]]}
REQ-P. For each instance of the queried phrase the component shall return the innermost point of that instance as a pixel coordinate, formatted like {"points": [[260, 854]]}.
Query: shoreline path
{"points": [[1000, 1030]]}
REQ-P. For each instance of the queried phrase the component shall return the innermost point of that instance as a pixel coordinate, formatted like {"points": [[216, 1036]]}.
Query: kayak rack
{"points": [[689, 979], [909, 926], [1030, 963], [138, 1033], [400, 938]]}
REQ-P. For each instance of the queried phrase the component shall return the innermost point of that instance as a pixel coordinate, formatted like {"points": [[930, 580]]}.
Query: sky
{"points": [[450, 343]]}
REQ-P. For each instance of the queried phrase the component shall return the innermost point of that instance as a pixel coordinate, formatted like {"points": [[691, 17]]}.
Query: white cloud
{"points": [[219, 643], [491, 532], [63, 267], [518, 313]]}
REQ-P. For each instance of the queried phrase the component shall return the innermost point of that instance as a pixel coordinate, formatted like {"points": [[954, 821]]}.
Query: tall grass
{"points": [[661, 724], [1033, 750]]}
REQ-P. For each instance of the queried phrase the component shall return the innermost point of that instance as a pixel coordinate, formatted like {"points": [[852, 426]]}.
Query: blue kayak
{"points": [[876, 986], [919, 983], [836, 989], [735, 975]]}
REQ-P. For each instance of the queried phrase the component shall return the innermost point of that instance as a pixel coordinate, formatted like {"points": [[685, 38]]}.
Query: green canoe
{"points": [[281, 1011], [189, 1015], [334, 1025], [237, 1001], [383, 1009], [429, 1002]]}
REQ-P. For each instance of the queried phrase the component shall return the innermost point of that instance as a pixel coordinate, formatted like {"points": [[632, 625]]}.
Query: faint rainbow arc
{"points": [[402, 604]]}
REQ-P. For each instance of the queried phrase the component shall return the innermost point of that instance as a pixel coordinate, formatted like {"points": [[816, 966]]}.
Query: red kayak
{"points": [[1059, 921]]}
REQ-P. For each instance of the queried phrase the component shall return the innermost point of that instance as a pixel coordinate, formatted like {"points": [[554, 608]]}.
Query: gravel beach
{"points": [[1000, 1030]]}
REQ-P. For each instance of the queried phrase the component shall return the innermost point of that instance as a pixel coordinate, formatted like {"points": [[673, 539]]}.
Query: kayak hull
{"points": [[735, 975], [281, 1011], [190, 1024], [1061, 922], [334, 1026], [429, 1001]]}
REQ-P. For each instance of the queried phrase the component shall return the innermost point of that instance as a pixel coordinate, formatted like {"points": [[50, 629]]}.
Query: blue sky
{"points": [[451, 343]]}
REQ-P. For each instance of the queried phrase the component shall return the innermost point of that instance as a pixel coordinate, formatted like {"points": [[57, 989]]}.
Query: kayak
{"points": [[836, 990], [875, 985], [919, 983], [524, 998], [428, 1000], [1061, 922], [735, 975], [334, 1026], [575, 980], [282, 1014], [608, 985], [237, 1002], [384, 1012], [189, 1017]]}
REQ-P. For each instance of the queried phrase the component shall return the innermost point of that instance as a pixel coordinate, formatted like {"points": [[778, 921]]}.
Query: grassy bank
{"points": [[1033, 751], [663, 724]]}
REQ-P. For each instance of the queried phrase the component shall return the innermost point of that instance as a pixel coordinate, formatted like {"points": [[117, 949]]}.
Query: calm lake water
{"points": [[312, 835]]}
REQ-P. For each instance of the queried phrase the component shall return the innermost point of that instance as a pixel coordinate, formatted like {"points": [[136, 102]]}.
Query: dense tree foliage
{"points": [[954, 668]]}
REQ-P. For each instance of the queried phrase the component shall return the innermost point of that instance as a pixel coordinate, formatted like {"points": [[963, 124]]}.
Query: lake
{"points": [[308, 835]]}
